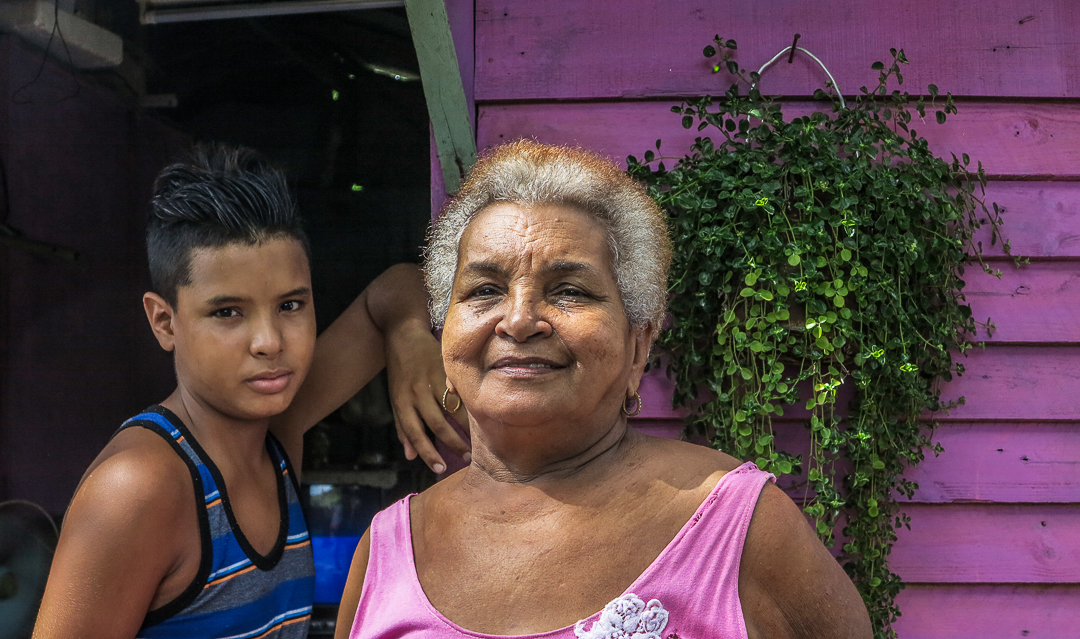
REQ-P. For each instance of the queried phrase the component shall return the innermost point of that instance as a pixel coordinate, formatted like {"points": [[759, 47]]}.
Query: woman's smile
{"points": [[526, 367]]}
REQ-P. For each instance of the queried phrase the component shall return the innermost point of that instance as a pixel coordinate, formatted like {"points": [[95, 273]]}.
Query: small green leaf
{"points": [[687, 121], [794, 259], [709, 51], [747, 292], [940, 117]]}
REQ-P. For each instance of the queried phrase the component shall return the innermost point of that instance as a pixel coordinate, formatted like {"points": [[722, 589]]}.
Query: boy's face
{"points": [[243, 331]]}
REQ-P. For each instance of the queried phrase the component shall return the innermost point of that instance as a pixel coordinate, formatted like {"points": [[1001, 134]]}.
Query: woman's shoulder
{"points": [[683, 464]]}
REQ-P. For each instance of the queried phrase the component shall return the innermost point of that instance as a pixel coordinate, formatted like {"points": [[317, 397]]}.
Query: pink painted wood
{"points": [[1018, 383], [557, 49], [1002, 462], [1042, 219], [966, 543], [1006, 383], [1008, 611], [982, 462], [1029, 304], [1014, 140]]}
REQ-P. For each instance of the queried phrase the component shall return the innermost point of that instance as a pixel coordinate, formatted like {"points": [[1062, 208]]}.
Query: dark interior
{"points": [[333, 98]]}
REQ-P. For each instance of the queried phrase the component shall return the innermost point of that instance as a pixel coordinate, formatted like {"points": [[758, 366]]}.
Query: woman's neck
{"points": [[533, 459]]}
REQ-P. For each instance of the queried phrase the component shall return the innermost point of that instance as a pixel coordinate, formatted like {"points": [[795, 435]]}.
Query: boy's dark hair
{"points": [[220, 195]]}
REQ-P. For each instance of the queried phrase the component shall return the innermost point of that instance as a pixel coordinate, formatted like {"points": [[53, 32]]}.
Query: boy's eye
{"points": [[224, 313]]}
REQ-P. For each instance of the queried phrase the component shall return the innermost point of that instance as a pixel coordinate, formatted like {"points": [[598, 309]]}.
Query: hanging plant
{"points": [[810, 255]]}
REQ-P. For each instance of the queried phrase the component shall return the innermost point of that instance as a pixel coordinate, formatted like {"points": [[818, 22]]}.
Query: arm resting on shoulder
{"points": [[789, 584], [387, 325]]}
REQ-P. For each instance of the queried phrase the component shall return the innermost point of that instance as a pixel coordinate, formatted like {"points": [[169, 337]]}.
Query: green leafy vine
{"points": [[816, 260]]}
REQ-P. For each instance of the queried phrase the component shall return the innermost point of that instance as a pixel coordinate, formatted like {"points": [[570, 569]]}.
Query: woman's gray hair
{"points": [[528, 173]]}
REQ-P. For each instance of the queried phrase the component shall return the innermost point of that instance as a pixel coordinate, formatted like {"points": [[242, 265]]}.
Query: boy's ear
{"points": [[160, 316]]}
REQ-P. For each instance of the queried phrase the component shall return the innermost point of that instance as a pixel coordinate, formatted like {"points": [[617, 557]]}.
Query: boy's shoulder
{"points": [[138, 469], [130, 540]]}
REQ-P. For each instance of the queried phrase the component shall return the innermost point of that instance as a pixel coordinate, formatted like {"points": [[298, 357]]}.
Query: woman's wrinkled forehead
{"points": [[507, 231]]}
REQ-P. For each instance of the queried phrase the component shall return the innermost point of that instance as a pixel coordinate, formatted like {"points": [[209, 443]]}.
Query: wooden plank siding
{"points": [[1019, 141], [557, 50], [987, 611], [994, 548]]}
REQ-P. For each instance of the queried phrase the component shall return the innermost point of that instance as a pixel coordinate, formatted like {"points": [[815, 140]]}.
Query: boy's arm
{"points": [[387, 325], [123, 535]]}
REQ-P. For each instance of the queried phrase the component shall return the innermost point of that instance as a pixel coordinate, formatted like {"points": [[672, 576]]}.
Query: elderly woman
{"points": [[548, 272]]}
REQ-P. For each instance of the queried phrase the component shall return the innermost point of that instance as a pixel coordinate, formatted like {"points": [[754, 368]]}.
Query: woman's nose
{"points": [[523, 319]]}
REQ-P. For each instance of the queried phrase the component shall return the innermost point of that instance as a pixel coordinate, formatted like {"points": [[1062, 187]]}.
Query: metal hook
{"points": [[791, 57]]}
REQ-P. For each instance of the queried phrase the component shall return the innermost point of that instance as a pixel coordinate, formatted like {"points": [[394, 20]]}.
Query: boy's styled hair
{"points": [[219, 195]]}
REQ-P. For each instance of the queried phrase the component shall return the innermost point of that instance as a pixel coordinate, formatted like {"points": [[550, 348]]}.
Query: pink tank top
{"points": [[690, 591]]}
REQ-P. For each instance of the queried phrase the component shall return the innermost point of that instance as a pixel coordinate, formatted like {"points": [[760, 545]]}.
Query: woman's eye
{"points": [[484, 291], [292, 305], [570, 291]]}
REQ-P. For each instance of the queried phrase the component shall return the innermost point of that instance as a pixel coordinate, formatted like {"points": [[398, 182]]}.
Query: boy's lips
{"points": [[270, 382]]}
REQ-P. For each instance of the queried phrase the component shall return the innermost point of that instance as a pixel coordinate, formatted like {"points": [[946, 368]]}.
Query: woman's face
{"points": [[536, 331]]}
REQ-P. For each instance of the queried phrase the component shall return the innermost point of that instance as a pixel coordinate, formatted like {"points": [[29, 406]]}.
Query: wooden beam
{"points": [[443, 90]]}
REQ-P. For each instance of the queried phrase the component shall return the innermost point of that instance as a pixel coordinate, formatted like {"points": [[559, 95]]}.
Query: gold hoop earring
{"points": [[445, 393], [637, 409]]}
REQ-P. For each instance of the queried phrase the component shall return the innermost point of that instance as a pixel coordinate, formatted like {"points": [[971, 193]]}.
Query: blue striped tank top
{"points": [[238, 593]]}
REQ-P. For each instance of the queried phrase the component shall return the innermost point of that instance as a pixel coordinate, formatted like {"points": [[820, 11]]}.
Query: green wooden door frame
{"points": [[448, 110]]}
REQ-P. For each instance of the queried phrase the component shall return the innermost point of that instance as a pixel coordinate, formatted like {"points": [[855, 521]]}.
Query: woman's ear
{"points": [[643, 339], [160, 315]]}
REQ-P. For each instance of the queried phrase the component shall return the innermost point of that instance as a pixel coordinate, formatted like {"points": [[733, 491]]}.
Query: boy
{"points": [[187, 524]]}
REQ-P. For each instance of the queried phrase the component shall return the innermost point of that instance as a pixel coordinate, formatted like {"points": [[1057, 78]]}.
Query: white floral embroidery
{"points": [[627, 617]]}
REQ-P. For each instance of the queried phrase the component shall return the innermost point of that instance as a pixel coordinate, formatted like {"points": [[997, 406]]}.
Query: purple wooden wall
{"points": [[76, 356], [994, 549]]}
